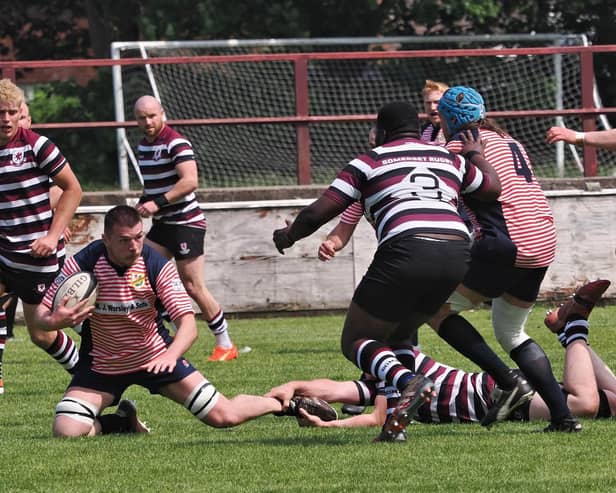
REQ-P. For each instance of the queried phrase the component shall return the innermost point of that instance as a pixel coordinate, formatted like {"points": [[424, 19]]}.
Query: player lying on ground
{"points": [[124, 341], [588, 383]]}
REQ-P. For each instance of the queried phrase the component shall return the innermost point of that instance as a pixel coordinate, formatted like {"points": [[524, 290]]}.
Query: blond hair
{"points": [[10, 93], [432, 85]]}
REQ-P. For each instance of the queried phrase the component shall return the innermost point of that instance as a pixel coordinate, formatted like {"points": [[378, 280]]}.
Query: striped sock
{"points": [[219, 328], [574, 330], [64, 351], [379, 360]]}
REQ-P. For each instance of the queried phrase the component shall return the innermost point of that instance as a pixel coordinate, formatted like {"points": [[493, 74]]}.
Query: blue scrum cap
{"points": [[459, 106]]}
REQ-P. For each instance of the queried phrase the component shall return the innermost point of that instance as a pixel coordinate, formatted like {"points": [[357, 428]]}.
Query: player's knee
{"points": [[508, 322], [201, 401], [74, 417]]}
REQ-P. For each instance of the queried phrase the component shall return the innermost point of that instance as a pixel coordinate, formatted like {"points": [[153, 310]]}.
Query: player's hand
{"points": [[281, 238], [283, 393], [307, 419], [68, 234], [557, 134], [164, 363], [327, 250], [147, 209], [471, 142], [64, 316], [43, 247]]}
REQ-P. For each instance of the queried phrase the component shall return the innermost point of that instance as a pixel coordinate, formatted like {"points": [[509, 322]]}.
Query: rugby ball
{"points": [[78, 287]]}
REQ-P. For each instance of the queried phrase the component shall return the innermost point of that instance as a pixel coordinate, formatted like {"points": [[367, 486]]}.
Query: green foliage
{"points": [[274, 454], [91, 152]]}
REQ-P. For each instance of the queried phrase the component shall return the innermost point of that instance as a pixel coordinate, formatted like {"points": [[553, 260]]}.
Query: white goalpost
{"points": [[264, 154]]}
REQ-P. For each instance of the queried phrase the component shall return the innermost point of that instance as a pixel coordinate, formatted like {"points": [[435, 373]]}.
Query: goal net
{"points": [[264, 154]]}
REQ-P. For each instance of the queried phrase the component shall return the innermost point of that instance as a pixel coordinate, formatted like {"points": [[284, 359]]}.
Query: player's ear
{"points": [[379, 136]]}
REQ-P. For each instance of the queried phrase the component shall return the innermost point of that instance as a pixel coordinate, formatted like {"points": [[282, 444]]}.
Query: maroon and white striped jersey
{"points": [[526, 215], [126, 330], [461, 397], [433, 134], [157, 162], [27, 162], [408, 186]]}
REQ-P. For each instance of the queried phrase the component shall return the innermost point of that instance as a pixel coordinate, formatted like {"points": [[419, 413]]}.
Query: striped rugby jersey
{"points": [[522, 212], [27, 162], [157, 162], [125, 329], [408, 186], [461, 397]]}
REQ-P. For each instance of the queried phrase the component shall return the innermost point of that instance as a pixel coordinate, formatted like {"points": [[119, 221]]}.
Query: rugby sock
{"points": [[64, 351], [575, 330], [218, 326], [464, 338], [537, 369], [2, 343], [377, 359]]}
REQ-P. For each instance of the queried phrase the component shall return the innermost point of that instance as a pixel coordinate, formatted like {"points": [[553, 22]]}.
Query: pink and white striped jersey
{"points": [[27, 162], [157, 162], [408, 186], [526, 217], [126, 331]]}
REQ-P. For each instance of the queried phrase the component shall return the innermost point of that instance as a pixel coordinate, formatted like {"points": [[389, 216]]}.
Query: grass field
{"points": [[273, 454]]}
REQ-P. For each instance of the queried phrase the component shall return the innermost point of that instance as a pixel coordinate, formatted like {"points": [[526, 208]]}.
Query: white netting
{"points": [[265, 154]]}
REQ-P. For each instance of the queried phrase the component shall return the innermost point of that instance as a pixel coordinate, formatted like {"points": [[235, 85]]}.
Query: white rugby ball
{"points": [[78, 287]]}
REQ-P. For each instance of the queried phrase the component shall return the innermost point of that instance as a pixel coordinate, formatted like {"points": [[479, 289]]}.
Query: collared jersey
{"points": [[126, 329], [522, 212], [408, 186], [27, 162], [157, 163]]}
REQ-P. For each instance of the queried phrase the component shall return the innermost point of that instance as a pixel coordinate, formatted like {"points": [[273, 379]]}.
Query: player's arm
{"points": [[605, 139], [323, 388], [336, 240], [308, 220], [472, 150], [375, 418], [65, 208], [186, 334], [188, 181], [62, 316]]}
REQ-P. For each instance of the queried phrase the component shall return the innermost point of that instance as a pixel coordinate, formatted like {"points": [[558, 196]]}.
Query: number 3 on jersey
{"points": [[519, 163]]}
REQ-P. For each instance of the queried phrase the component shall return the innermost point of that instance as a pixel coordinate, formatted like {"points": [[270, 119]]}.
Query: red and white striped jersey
{"points": [[526, 217], [157, 162], [27, 162], [126, 331]]}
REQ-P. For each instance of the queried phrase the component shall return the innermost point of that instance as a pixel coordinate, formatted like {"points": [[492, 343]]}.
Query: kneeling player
{"points": [[125, 343]]}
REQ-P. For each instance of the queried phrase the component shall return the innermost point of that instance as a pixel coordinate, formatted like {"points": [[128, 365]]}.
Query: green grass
{"points": [[273, 454]]}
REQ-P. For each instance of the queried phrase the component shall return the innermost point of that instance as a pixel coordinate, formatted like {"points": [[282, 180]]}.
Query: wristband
{"points": [[160, 201], [469, 155], [580, 138]]}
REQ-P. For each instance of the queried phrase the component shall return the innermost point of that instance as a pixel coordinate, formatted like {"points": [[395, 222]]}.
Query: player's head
{"points": [[395, 120], [11, 98], [25, 120], [123, 235], [459, 107], [150, 116], [432, 93]]}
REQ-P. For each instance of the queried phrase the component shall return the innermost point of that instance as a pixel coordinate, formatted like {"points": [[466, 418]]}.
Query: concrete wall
{"points": [[246, 273]]}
